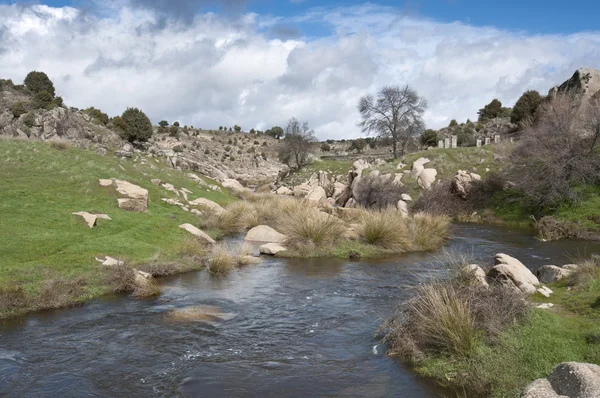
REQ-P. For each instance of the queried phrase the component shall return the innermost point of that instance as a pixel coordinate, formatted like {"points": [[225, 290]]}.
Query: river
{"points": [[292, 328]]}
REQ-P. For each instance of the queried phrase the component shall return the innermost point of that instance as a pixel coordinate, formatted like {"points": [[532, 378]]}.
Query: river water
{"points": [[292, 328]]}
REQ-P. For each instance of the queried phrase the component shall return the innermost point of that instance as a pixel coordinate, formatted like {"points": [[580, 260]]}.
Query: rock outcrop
{"points": [[208, 205], [583, 85], [551, 273], [418, 166], [461, 183], [265, 234], [233, 185], [510, 272], [272, 248], [567, 380], [90, 219], [134, 198], [198, 233], [427, 178], [317, 195]]}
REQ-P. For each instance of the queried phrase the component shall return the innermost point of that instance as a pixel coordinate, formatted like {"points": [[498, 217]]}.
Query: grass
{"points": [[42, 184], [332, 167], [487, 343]]}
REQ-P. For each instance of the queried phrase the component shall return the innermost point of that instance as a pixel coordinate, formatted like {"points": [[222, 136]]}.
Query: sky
{"points": [[257, 63]]}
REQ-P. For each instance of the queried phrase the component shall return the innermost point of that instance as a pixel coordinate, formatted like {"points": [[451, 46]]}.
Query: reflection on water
{"points": [[279, 328]]}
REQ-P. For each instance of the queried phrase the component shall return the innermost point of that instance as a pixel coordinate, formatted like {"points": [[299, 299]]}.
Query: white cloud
{"points": [[216, 71]]}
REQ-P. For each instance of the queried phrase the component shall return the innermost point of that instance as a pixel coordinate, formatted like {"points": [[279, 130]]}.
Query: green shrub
{"points": [[29, 120], [490, 111], [56, 102], [176, 124], [137, 125], [429, 138], [18, 109], [41, 99], [118, 123], [237, 128], [99, 116], [526, 106], [173, 131], [163, 123], [325, 147], [39, 82], [453, 123]]}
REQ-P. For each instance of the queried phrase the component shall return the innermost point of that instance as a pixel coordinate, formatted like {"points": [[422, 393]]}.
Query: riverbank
{"points": [[486, 341], [48, 255]]}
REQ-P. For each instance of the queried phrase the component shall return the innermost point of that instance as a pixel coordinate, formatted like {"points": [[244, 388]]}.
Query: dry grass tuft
{"points": [[428, 231], [221, 261], [443, 319], [12, 300], [120, 278], [385, 228], [61, 145], [451, 316], [58, 293], [193, 248], [245, 255], [145, 288], [586, 271], [237, 217], [306, 226]]}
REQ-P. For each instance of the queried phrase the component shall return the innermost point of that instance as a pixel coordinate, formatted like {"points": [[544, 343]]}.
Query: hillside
{"points": [[43, 243], [217, 154]]}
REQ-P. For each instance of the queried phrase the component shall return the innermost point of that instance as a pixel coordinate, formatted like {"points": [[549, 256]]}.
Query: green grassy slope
{"points": [[42, 185]]}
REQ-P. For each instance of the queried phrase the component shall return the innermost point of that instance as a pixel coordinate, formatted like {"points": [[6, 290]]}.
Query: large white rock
{"points": [[272, 248], [130, 190], [233, 185], [567, 380], [406, 197], [551, 273], [105, 182], [317, 195], [511, 272], [427, 178], [302, 190], [360, 165], [398, 180], [136, 205], [478, 274], [461, 183], [197, 233], [207, 204], [109, 261], [418, 166], [90, 219], [266, 234], [402, 207], [284, 191]]}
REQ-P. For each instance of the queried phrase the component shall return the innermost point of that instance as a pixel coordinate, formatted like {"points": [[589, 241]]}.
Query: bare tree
{"points": [[590, 122], [396, 113], [297, 143], [557, 154]]}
